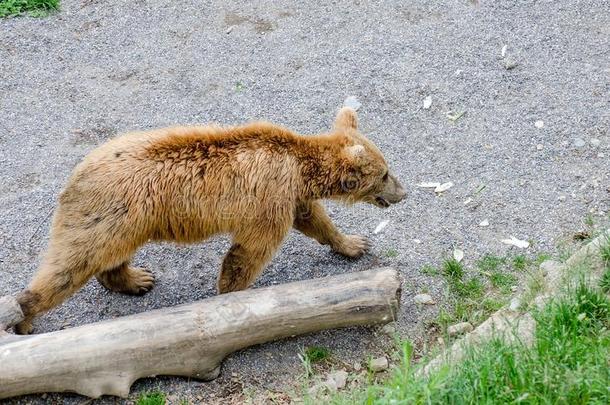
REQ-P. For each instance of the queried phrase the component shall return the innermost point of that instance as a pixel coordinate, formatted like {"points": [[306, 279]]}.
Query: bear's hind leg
{"points": [[126, 279], [52, 284]]}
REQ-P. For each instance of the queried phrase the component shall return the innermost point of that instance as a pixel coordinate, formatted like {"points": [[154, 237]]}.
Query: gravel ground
{"points": [[98, 68]]}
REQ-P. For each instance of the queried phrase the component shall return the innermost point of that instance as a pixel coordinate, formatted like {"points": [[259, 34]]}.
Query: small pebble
{"points": [[357, 366], [595, 142], [562, 198], [459, 328], [539, 124], [352, 102], [510, 64], [515, 303], [229, 29], [539, 146], [427, 102], [378, 364], [425, 299], [484, 223], [579, 143], [389, 329]]}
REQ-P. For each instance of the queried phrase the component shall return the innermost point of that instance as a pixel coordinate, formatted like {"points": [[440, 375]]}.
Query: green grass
{"points": [[489, 263], [520, 262], [391, 253], [430, 270], [317, 354], [541, 258], [33, 8], [566, 364], [151, 398], [604, 251], [604, 282], [502, 281], [453, 269], [311, 355]]}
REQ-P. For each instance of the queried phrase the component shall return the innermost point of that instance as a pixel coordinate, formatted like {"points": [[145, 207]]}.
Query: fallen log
{"points": [[105, 358], [10, 313]]}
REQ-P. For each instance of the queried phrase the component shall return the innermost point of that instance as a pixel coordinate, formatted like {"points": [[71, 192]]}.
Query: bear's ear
{"points": [[346, 118], [355, 151]]}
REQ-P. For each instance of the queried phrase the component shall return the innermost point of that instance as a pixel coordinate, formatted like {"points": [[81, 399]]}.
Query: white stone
{"points": [[337, 379], [539, 146], [443, 187], [427, 102], [458, 255], [539, 124], [484, 223], [378, 364], [595, 142], [515, 303], [425, 299], [459, 328], [352, 102]]}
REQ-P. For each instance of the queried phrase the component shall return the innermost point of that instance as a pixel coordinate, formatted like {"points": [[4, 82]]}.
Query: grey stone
{"points": [[389, 329], [510, 63], [379, 364], [424, 299], [459, 328], [579, 143], [338, 378]]}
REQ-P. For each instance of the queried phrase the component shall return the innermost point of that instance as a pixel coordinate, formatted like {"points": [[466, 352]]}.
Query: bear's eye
{"points": [[385, 176]]}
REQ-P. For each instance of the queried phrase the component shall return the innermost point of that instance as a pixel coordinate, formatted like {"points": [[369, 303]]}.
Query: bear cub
{"points": [[185, 184]]}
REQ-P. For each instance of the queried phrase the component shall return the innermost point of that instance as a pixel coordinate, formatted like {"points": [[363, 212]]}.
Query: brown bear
{"points": [[185, 184]]}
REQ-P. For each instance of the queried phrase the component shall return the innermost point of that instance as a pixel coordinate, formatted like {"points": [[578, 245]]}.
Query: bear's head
{"points": [[366, 177]]}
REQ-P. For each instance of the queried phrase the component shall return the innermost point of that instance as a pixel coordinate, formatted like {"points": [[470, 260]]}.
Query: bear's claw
{"points": [[353, 246]]}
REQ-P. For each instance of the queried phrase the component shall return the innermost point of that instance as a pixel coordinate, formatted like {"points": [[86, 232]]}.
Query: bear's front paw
{"points": [[352, 246]]}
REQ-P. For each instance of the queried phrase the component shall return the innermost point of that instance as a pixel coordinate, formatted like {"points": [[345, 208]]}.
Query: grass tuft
{"points": [[604, 282], [430, 270], [317, 354], [502, 281], [489, 263], [152, 398], [33, 8], [520, 262], [391, 253], [453, 269], [604, 251]]}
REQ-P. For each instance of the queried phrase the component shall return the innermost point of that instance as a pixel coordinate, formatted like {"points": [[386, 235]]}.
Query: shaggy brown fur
{"points": [[186, 184]]}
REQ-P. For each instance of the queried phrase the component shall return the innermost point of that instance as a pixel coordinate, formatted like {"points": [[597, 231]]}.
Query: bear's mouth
{"points": [[382, 202]]}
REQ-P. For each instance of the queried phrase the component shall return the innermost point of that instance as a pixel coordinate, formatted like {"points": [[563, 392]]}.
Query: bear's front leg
{"points": [[312, 220], [248, 256]]}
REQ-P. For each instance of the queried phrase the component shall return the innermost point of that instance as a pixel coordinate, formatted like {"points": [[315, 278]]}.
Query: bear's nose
{"points": [[402, 194]]}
